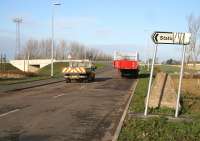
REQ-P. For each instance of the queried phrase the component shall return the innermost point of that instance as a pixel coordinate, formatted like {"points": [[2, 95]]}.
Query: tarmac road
{"points": [[65, 112]]}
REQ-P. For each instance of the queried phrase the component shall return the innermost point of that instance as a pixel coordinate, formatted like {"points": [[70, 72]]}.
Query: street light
{"points": [[52, 42]]}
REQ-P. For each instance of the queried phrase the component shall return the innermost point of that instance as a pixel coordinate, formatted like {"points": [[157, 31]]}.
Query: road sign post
{"points": [[168, 38], [180, 81], [150, 81]]}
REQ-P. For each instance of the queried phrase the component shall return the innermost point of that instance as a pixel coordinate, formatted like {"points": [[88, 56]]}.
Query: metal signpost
{"points": [[180, 81], [150, 81], [168, 38]]}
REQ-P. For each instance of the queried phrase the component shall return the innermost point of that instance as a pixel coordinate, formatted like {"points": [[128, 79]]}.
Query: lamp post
{"points": [[52, 40]]}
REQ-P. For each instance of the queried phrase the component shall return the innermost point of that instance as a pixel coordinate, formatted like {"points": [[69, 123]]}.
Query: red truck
{"points": [[126, 63]]}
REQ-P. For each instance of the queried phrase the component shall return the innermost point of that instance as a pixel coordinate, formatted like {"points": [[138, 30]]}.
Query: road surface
{"points": [[65, 112]]}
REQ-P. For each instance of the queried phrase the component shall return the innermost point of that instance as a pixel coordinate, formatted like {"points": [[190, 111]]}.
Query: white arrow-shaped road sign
{"points": [[171, 38]]}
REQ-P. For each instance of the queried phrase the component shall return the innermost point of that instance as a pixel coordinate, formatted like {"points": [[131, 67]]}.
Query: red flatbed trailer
{"points": [[126, 63]]}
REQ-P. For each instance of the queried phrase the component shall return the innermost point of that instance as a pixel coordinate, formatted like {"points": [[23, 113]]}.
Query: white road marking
{"points": [[83, 86], [10, 112], [59, 95]]}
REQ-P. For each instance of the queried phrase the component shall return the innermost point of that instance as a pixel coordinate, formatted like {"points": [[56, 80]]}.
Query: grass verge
{"points": [[160, 128], [173, 69], [42, 74], [137, 104], [58, 67]]}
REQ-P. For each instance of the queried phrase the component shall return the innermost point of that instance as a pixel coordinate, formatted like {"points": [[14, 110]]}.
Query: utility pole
{"points": [[28, 57], [52, 39], [4, 62], [18, 21], [1, 62]]}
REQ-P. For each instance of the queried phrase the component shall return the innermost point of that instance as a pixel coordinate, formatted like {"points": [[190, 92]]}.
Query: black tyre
{"points": [[67, 80], [93, 78]]}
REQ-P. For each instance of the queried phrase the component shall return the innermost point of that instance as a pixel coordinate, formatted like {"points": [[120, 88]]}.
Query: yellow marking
{"points": [[75, 70], [83, 70], [68, 69], [78, 69], [64, 70]]}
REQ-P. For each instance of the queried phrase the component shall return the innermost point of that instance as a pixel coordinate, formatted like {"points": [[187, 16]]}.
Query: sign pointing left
{"points": [[171, 38], [168, 38]]}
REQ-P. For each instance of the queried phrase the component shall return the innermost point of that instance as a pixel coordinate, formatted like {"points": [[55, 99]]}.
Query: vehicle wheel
{"points": [[93, 79], [67, 80], [80, 80], [135, 74], [86, 80], [90, 78]]}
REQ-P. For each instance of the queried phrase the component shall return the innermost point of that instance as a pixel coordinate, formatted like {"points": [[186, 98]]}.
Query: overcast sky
{"points": [[124, 25]]}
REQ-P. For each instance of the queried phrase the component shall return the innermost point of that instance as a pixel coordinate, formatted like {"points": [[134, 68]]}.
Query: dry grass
{"points": [[189, 67], [160, 128], [197, 67], [189, 85]]}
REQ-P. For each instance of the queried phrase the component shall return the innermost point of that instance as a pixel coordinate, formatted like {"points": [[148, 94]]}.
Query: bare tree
{"points": [[77, 50], [37, 49], [193, 50], [42, 50]]}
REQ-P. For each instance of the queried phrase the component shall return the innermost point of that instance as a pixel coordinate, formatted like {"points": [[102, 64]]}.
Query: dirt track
{"points": [[65, 112]]}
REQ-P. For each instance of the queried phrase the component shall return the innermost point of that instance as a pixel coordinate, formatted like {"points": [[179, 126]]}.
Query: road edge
{"points": [[119, 127]]}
